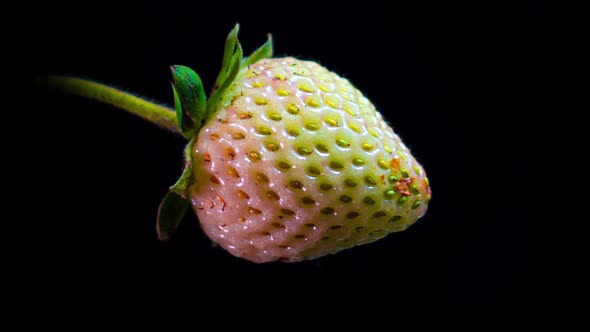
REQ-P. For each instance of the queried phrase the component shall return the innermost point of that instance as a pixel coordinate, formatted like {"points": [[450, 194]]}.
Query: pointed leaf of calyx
{"points": [[176, 201], [263, 52], [229, 50], [170, 214], [190, 100], [229, 71]]}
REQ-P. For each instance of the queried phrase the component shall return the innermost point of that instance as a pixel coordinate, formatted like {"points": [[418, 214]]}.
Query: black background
{"points": [[458, 82]]}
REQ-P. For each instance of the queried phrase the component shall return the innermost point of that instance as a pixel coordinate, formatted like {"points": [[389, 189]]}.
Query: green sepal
{"points": [[232, 60], [190, 100], [177, 200], [170, 214], [263, 52], [230, 45]]}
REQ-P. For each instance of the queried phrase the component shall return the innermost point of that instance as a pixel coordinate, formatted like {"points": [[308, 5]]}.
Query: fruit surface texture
{"points": [[295, 163]]}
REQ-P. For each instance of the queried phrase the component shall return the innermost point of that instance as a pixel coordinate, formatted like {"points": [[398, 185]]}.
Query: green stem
{"points": [[160, 115]]}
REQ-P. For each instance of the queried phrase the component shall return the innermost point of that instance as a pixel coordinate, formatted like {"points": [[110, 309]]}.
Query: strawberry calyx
{"points": [[233, 61], [175, 203], [193, 110], [189, 99]]}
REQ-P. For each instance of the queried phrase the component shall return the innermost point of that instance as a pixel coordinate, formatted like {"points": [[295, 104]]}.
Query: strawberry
{"points": [[296, 163], [286, 160]]}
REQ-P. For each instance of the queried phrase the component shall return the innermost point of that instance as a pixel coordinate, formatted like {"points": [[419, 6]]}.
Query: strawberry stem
{"points": [[157, 114]]}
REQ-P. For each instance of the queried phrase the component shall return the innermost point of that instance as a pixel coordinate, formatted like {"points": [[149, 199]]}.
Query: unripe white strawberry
{"points": [[285, 161], [296, 163]]}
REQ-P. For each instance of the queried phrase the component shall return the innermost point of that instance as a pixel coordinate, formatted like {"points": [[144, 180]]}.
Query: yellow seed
{"points": [[348, 109], [272, 146], [322, 148], [331, 101], [312, 102], [389, 193], [238, 136], [261, 178], [417, 170], [405, 173], [326, 186], [416, 205], [232, 172], [272, 195], [264, 131], [312, 126], [305, 87], [303, 150], [275, 116], [313, 170], [387, 149], [323, 88], [327, 210], [370, 181], [257, 85], [402, 156], [307, 200], [335, 165], [358, 162], [243, 195], [284, 165], [253, 155], [373, 132], [213, 179], [350, 183], [287, 212], [382, 164], [332, 122], [293, 109], [282, 92], [230, 153], [354, 128], [415, 190], [279, 76], [342, 142], [367, 146], [260, 101]]}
